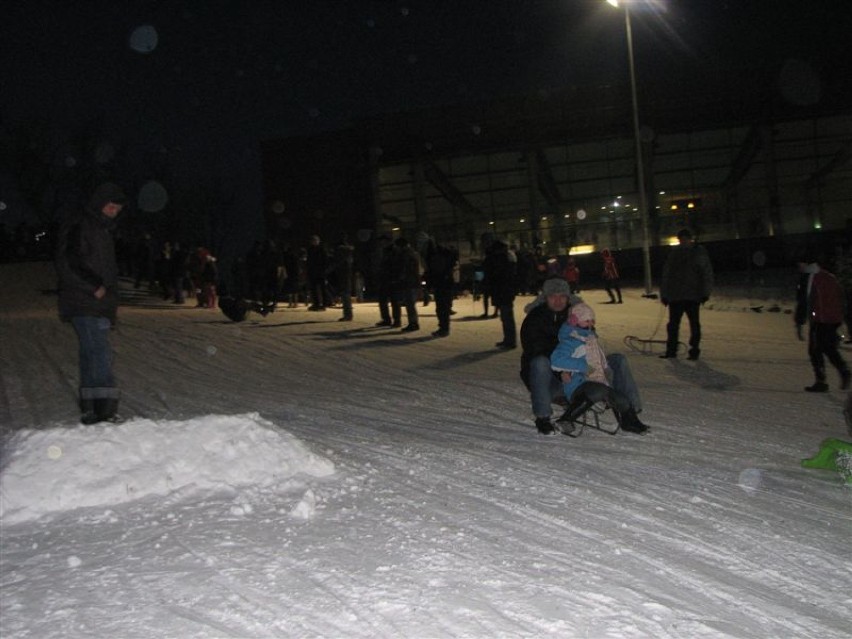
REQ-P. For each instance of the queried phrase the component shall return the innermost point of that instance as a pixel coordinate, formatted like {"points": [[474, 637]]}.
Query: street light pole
{"points": [[640, 165]]}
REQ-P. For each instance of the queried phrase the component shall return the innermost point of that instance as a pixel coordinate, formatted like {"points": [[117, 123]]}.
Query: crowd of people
{"points": [[562, 362]]}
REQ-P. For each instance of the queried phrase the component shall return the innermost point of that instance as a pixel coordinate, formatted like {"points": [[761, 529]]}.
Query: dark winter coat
{"points": [[85, 259], [343, 265], [291, 266], [687, 275], [406, 269], [539, 335], [317, 264], [440, 267], [824, 303], [501, 273]]}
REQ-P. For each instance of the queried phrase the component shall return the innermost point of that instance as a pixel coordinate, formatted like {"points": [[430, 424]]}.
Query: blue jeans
{"points": [[96, 378], [622, 380], [545, 386]]}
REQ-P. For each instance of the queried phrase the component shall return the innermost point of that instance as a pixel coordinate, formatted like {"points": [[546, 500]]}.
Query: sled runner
{"points": [[574, 421]]}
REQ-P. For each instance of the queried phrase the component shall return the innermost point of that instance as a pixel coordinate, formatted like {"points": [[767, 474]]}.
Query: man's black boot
{"points": [[87, 412], [544, 426], [629, 422]]}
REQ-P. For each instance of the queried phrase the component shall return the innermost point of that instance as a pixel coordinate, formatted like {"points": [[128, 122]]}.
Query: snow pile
{"points": [[61, 468]]}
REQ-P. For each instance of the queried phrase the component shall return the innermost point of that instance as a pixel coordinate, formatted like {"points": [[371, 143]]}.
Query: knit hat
{"points": [[583, 313], [555, 286]]}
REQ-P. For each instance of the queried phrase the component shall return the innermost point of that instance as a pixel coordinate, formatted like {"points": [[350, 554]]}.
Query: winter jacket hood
{"points": [[105, 193]]}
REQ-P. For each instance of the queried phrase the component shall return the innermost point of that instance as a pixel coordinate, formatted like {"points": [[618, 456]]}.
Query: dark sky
{"points": [[290, 66], [225, 73]]}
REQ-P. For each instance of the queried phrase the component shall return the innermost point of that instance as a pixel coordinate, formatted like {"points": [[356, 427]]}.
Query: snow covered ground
{"points": [[292, 476]]}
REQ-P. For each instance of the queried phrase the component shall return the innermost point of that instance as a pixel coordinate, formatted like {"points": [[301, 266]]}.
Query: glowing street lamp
{"points": [[640, 169]]}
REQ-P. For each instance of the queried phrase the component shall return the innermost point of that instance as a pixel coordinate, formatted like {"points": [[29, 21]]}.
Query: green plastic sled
{"points": [[834, 454]]}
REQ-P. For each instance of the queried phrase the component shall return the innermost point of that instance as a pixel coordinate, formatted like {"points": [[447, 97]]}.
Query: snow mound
{"points": [[60, 469]]}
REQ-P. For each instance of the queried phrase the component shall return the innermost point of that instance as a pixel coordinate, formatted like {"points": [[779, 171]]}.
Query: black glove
{"points": [[799, 333], [664, 301]]}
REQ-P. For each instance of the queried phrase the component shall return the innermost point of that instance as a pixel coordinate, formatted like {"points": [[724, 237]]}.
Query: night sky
{"points": [[227, 73]]}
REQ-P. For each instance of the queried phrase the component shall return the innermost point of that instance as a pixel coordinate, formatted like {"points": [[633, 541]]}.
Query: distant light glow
{"points": [[581, 249]]}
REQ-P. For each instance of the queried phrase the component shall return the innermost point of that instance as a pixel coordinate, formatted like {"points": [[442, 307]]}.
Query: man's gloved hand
{"points": [[799, 333], [664, 301]]}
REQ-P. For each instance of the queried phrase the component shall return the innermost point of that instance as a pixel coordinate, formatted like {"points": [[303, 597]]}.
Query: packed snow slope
{"points": [[292, 476]]}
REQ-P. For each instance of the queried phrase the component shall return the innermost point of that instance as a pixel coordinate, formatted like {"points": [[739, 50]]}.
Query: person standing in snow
{"points": [[502, 273], [341, 270], [686, 284], [441, 262], [819, 303], [389, 308], [585, 374], [88, 297], [316, 268], [572, 275], [406, 281], [611, 276]]}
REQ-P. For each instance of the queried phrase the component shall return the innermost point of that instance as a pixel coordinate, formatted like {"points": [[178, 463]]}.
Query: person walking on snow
{"points": [[572, 275], [88, 297], [611, 276], [686, 284], [819, 303]]}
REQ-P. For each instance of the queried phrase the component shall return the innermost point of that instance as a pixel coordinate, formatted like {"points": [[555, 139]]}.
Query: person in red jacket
{"points": [[819, 302], [610, 276], [572, 275]]}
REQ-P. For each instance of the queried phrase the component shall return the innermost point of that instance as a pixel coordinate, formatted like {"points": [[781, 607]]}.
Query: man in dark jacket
{"points": [[342, 270], [317, 270], [686, 284], [389, 308], [88, 297], [440, 267], [539, 337], [501, 271], [406, 281]]}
